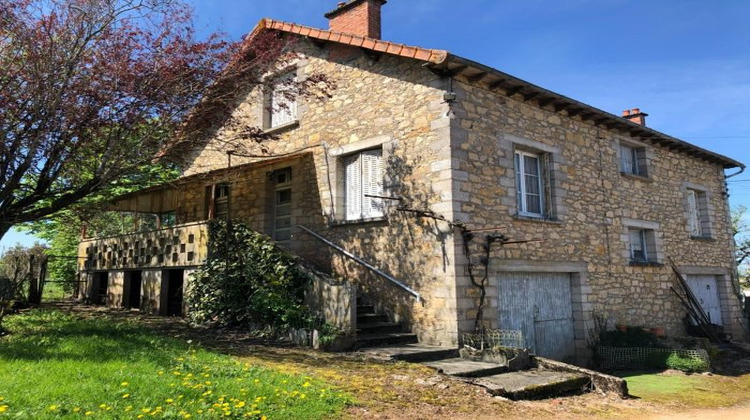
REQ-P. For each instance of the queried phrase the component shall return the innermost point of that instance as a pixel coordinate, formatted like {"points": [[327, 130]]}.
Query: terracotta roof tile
{"points": [[435, 56]]}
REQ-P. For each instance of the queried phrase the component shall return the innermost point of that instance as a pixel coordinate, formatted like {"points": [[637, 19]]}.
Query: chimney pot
{"points": [[635, 115]]}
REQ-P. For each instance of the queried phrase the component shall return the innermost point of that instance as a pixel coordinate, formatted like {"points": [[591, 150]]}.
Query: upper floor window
{"points": [[699, 224], [281, 102], [642, 249], [363, 179], [530, 184], [633, 160]]}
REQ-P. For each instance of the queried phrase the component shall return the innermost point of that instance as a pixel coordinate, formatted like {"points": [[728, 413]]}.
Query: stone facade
{"points": [[455, 157]]}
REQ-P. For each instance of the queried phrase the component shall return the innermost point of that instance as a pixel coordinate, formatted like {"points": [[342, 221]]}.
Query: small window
{"points": [[633, 160], [363, 178], [531, 184], [281, 102], [217, 198], [642, 246], [699, 225]]}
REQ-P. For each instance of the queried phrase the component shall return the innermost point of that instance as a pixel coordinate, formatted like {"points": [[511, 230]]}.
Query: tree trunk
{"points": [[4, 228]]}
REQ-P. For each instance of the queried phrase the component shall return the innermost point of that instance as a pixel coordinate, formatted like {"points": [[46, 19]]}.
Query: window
{"points": [[642, 246], [698, 221], [282, 208], [363, 177], [281, 102], [530, 184], [217, 198], [633, 160]]}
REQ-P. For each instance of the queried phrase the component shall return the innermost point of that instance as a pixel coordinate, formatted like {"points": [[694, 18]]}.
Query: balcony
{"points": [[183, 245]]}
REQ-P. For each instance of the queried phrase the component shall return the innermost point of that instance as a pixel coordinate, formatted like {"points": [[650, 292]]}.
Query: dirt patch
{"points": [[399, 390]]}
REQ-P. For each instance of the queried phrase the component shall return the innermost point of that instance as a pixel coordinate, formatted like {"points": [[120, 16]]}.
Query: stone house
{"points": [[585, 207]]}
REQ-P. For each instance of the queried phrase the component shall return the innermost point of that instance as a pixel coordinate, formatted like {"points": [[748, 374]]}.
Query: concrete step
{"points": [[534, 384], [373, 340], [466, 368], [370, 318], [379, 327], [414, 353]]}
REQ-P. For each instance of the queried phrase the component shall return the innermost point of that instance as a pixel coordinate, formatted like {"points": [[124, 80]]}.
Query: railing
{"points": [[363, 263], [175, 246]]}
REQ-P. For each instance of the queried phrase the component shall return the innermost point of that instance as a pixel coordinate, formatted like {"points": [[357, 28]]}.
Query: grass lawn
{"points": [[55, 365], [693, 391]]}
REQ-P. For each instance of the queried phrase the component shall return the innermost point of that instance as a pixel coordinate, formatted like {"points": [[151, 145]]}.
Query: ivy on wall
{"points": [[248, 281]]}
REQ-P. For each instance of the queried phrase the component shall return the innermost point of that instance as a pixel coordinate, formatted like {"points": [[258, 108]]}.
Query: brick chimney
{"points": [[357, 17], [635, 115]]}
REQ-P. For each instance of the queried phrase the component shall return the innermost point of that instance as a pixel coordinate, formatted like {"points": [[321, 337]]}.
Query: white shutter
{"points": [[626, 159], [283, 107], [372, 183], [353, 181], [694, 222]]}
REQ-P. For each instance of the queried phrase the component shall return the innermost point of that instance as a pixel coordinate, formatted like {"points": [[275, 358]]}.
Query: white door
{"points": [[705, 291], [539, 305]]}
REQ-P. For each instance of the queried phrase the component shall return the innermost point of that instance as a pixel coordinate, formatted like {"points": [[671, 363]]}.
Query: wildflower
{"points": [[53, 407], [129, 408], [76, 409], [125, 396], [124, 384], [102, 406], [187, 416], [2, 399], [169, 401], [3, 408], [306, 384], [89, 413], [160, 373]]}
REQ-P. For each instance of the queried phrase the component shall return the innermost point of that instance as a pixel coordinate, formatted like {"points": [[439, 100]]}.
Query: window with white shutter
{"points": [[363, 176], [282, 102], [698, 221], [530, 188], [633, 160]]}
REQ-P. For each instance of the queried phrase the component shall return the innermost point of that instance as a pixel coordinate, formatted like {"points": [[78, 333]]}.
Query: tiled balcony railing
{"points": [[177, 246]]}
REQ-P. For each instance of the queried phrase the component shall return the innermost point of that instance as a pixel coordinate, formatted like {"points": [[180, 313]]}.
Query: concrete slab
{"points": [[531, 384], [466, 368], [414, 353]]}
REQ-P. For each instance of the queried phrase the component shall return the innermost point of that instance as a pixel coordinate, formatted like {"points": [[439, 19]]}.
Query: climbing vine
{"points": [[248, 281]]}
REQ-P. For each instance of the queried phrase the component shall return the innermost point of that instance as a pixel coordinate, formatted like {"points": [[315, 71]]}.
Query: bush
{"points": [[686, 364], [248, 281], [632, 337]]}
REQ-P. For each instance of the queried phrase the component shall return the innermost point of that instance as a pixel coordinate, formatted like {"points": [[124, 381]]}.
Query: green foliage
{"points": [[55, 365], [248, 281], [686, 364], [631, 337]]}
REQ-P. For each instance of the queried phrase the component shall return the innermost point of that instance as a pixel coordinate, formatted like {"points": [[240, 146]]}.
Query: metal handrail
{"points": [[364, 263]]}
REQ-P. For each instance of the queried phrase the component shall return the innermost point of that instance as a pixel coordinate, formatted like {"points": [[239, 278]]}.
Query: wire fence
{"points": [[626, 358], [494, 338]]}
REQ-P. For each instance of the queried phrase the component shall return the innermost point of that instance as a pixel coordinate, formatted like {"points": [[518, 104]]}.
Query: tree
{"points": [[90, 91], [741, 231], [22, 273]]}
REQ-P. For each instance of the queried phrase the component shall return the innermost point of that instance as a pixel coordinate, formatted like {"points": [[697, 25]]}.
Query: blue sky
{"points": [[686, 63]]}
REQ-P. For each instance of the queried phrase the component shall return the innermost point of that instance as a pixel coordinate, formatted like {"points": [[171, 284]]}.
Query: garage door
{"points": [[705, 291], [539, 305]]}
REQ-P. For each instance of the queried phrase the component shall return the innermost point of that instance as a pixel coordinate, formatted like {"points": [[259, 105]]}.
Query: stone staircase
{"points": [[374, 329]]}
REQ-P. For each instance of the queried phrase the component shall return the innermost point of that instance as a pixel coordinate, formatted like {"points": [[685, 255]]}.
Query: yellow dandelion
{"points": [[169, 401], [125, 396], [187, 416], [240, 404], [129, 408], [89, 413], [160, 372], [2, 399], [263, 418], [140, 416], [124, 384], [3, 408], [306, 384], [53, 407], [199, 411], [102, 406], [76, 409]]}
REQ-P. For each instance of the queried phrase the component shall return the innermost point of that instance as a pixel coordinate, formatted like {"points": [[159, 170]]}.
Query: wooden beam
{"points": [[477, 77], [372, 54], [455, 71], [572, 112], [496, 84], [530, 96], [546, 101], [561, 106], [512, 91], [317, 42]]}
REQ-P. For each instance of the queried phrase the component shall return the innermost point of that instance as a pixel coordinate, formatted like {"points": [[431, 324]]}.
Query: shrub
{"points": [[686, 364], [248, 281]]}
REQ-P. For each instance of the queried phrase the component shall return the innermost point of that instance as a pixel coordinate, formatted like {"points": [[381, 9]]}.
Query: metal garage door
{"points": [[705, 291], [539, 305]]}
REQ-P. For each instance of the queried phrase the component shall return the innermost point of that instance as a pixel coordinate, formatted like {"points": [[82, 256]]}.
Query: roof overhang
{"points": [[449, 65]]}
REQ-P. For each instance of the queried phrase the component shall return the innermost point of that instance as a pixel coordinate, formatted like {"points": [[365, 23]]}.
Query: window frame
{"points": [[215, 198], [365, 185], [649, 242], [519, 163], [637, 164], [697, 212], [271, 110]]}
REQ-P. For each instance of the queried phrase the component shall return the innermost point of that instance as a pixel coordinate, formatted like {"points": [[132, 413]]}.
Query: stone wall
{"points": [[385, 102], [592, 203]]}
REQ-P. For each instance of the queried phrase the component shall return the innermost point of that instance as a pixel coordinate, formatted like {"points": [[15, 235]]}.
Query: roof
{"points": [[447, 64]]}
